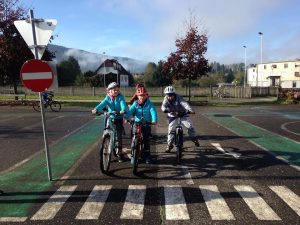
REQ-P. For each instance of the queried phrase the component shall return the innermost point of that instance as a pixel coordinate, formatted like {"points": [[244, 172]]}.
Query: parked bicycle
{"points": [[108, 145], [55, 106], [138, 143]]}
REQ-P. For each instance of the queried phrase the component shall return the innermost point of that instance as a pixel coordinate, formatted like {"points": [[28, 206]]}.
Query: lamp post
{"points": [[260, 34], [245, 75], [104, 71]]}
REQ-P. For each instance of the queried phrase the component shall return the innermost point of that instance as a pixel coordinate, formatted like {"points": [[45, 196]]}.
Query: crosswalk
{"points": [[174, 203]]}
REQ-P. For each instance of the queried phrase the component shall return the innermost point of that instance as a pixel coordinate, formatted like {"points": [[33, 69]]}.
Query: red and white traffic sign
{"points": [[36, 75]]}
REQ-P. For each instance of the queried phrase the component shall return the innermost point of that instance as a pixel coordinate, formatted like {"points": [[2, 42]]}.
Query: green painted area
{"points": [[28, 183], [279, 145]]}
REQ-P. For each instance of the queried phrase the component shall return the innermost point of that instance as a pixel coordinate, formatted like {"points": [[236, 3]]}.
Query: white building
{"points": [[282, 73]]}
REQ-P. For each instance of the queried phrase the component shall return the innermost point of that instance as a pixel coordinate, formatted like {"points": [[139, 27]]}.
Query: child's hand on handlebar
{"points": [[94, 111], [154, 123]]}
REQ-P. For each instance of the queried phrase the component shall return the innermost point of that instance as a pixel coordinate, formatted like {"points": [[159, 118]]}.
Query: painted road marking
{"points": [[219, 148], [256, 203], [94, 204], [289, 197], [64, 153], [175, 205], [54, 204], [187, 175], [13, 219], [134, 203], [277, 145], [216, 205]]}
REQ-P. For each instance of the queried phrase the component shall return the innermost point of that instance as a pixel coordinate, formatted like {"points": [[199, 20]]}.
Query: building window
{"points": [[294, 84], [265, 66], [274, 66], [297, 74], [286, 65], [253, 70]]}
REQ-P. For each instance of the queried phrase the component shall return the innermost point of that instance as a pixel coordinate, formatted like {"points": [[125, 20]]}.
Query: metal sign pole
{"points": [[41, 99]]}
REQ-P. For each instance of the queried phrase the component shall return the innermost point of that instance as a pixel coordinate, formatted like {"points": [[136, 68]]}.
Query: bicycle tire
{"points": [[105, 154], [136, 154], [179, 144], [55, 106], [36, 106]]}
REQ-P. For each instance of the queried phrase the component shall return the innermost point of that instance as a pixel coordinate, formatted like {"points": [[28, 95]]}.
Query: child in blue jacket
{"points": [[115, 102], [143, 109]]}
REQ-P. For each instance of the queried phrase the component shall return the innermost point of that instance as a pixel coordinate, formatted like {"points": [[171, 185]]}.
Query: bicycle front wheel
{"points": [[36, 106], [105, 154], [136, 155], [179, 145], [55, 106]]}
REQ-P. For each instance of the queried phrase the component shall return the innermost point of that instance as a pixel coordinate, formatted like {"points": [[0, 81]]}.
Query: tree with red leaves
{"points": [[188, 61], [13, 49]]}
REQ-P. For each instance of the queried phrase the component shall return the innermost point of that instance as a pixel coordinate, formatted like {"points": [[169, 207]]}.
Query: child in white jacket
{"points": [[173, 103]]}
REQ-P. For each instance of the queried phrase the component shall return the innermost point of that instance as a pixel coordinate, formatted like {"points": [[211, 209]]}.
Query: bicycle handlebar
{"points": [[180, 114], [98, 113]]}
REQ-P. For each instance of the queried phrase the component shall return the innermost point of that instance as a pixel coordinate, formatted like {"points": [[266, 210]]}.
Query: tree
{"points": [[159, 78], [67, 71], [188, 61], [149, 72], [13, 49]]}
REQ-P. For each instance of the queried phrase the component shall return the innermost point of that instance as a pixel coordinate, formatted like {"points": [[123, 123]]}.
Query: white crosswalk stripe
{"points": [[95, 203], [134, 203], [54, 204], [175, 205], [216, 205], [256, 203], [289, 197]]}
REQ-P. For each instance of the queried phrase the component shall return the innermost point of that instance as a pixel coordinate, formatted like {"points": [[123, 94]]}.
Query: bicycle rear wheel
{"points": [[36, 106], [179, 144], [136, 155], [55, 106], [105, 154]]}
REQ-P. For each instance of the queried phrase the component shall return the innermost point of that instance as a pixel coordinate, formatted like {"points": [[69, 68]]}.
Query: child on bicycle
{"points": [[143, 111], [174, 103], [115, 102], [134, 97]]}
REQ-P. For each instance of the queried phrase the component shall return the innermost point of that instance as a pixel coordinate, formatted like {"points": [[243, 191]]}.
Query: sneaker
{"points": [[196, 142], [120, 158], [169, 148]]}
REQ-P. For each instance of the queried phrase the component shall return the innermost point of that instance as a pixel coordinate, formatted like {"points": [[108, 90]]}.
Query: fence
{"points": [[230, 92]]}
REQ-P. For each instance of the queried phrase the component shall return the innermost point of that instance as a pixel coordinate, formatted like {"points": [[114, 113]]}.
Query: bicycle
{"points": [[179, 135], [108, 145], [55, 106], [138, 143]]}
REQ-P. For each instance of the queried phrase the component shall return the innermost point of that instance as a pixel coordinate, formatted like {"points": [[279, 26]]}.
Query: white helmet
{"points": [[112, 85], [169, 90]]}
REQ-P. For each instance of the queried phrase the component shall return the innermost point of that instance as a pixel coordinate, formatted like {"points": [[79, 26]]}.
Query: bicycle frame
{"points": [[138, 144]]}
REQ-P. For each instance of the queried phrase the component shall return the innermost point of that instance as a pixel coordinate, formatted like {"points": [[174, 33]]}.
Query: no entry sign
{"points": [[36, 75]]}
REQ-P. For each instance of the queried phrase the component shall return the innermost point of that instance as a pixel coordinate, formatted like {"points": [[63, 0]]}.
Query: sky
{"points": [[147, 29]]}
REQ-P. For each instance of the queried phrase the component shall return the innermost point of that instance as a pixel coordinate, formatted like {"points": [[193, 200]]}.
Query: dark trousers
{"points": [[119, 129]]}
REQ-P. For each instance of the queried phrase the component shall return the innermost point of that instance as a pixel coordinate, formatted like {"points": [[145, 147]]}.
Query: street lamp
{"points": [[261, 34], [245, 75], [104, 71]]}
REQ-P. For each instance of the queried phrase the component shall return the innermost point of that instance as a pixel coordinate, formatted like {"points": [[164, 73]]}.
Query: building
{"points": [[281, 73], [113, 71]]}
